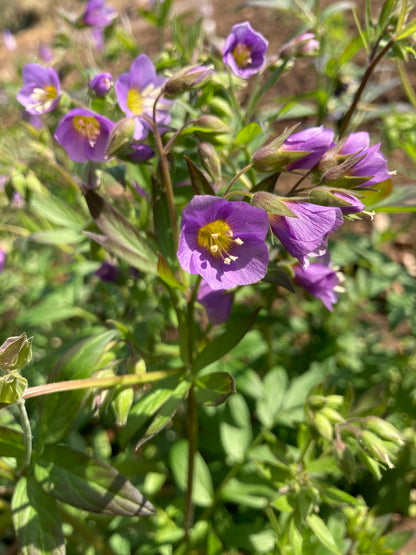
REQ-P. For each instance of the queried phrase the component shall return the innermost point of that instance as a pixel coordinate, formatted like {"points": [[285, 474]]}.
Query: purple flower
{"points": [[138, 152], [307, 234], [2, 259], [84, 135], [245, 50], [320, 280], [354, 204], [41, 90], [223, 241], [108, 272], [97, 14], [45, 53], [301, 45], [8, 40], [314, 142], [373, 165], [217, 303], [136, 94], [101, 84]]}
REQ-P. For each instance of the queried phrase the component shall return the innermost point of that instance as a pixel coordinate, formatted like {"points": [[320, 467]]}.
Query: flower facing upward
{"points": [[373, 165], [84, 135], [97, 14], [224, 242], [319, 280], [41, 90], [101, 84], [136, 94], [245, 50], [307, 234]]}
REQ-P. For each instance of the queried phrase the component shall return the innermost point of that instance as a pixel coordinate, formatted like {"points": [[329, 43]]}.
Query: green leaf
{"points": [[88, 484], [278, 276], [214, 388], [224, 343], [381, 191], [166, 274], [274, 390], [235, 429], [57, 212], [247, 134], [395, 540], [61, 236], [322, 532], [162, 224], [15, 352], [249, 491], [166, 413], [408, 30], [203, 490], [385, 15], [120, 236], [36, 520], [335, 497], [11, 443], [199, 182], [58, 410]]}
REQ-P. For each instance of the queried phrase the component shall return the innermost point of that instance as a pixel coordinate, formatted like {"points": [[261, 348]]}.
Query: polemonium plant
{"points": [[101, 84], [245, 50], [217, 302], [41, 90], [320, 280]]}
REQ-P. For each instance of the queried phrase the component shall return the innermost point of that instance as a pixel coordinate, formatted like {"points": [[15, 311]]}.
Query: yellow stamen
{"points": [[217, 237], [135, 101], [88, 127], [242, 55]]}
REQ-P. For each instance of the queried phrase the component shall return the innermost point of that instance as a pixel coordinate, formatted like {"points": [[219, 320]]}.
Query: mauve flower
{"points": [[2, 259], [41, 90], [354, 204], [223, 241], [101, 84], [373, 165], [84, 135], [138, 152], [245, 50], [97, 14], [45, 53], [314, 141], [307, 234], [136, 94], [320, 281], [217, 303]]}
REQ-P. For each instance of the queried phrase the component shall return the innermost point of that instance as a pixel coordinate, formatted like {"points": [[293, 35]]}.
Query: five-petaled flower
{"points": [[223, 241], [306, 234], [97, 14], [84, 135], [41, 90], [245, 50], [136, 94]]}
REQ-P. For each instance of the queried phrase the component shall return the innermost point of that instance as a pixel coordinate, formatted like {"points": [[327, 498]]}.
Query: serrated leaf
{"points": [[166, 412], [121, 237], [59, 410], [36, 520], [11, 443], [214, 388], [89, 484], [322, 532], [224, 343], [203, 490]]}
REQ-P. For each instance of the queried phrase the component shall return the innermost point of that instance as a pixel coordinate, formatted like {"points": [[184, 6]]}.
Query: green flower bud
{"points": [[121, 137], [376, 448], [332, 415], [323, 426], [317, 402], [12, 387], [187, 78], [210, 160], [335, 401], [384, 430], [272, 204], [15, 353], [212, 124]]}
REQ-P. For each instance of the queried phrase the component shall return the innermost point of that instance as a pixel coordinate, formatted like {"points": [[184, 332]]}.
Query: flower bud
{"points": [[15, 353], [302, 45], [384, 430], [187, 78], [210, 160], [323, 426], [335, 401], [212, 124], [272, 204], [101, 84], [332, 415], [376, 448], [120, 137], [270, 159], [345, 460], [317, 402]]}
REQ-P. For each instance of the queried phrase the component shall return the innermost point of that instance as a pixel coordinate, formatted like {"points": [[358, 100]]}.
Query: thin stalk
{"points": [[295, 186], [102, 383], [27, 435], [237, 176], [363, 84], [193, 445]]}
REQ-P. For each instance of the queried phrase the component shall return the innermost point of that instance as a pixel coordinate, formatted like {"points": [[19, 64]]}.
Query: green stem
{"points": [[363, 84], [193, 444], [103, 383], [237, 176], [27, 435]]}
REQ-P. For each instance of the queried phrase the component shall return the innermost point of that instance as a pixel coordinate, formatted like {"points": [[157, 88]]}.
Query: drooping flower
{"points": [[314, 141], [320, 280], [223, 241], [373, 165], [138, 152], [97, 14], [353, 205], [306, 234], [84, 135], [217, 303], [41, 90], [136, 94], [101, 84], [302, 45], [245, 50]]}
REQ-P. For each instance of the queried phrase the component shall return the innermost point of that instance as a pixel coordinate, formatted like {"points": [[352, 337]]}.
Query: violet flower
{"points": [[136, 94], [138, 152], [41, 90], [84, 135], [8, 40], [97, 14], [314, 141], [354, 204], [373, 165], [302, 45], [320, 280], [307, 234], [101, 84], [2, 259], [245, 50], [108, 272], [217, 303], [223, 241]]}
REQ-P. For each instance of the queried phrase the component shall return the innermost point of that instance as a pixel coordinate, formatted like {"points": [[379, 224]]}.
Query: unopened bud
{"points": [[302, 45], [15, 353], [210, 160], [187, 78], [120, 137], [376, 448], [384, 430], [332, 415], [335, 401], [212, 124], [323, 426], [317, 402], [272, 204]]}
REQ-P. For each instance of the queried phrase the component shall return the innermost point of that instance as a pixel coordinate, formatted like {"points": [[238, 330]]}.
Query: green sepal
{"points": [[12, 388], [15, 352]]}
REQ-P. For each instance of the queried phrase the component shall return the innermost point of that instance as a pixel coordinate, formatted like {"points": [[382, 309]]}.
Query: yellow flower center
{"points": [[135, 101], [242, 55], [43, 98], [217, 237], [88, 127]]}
